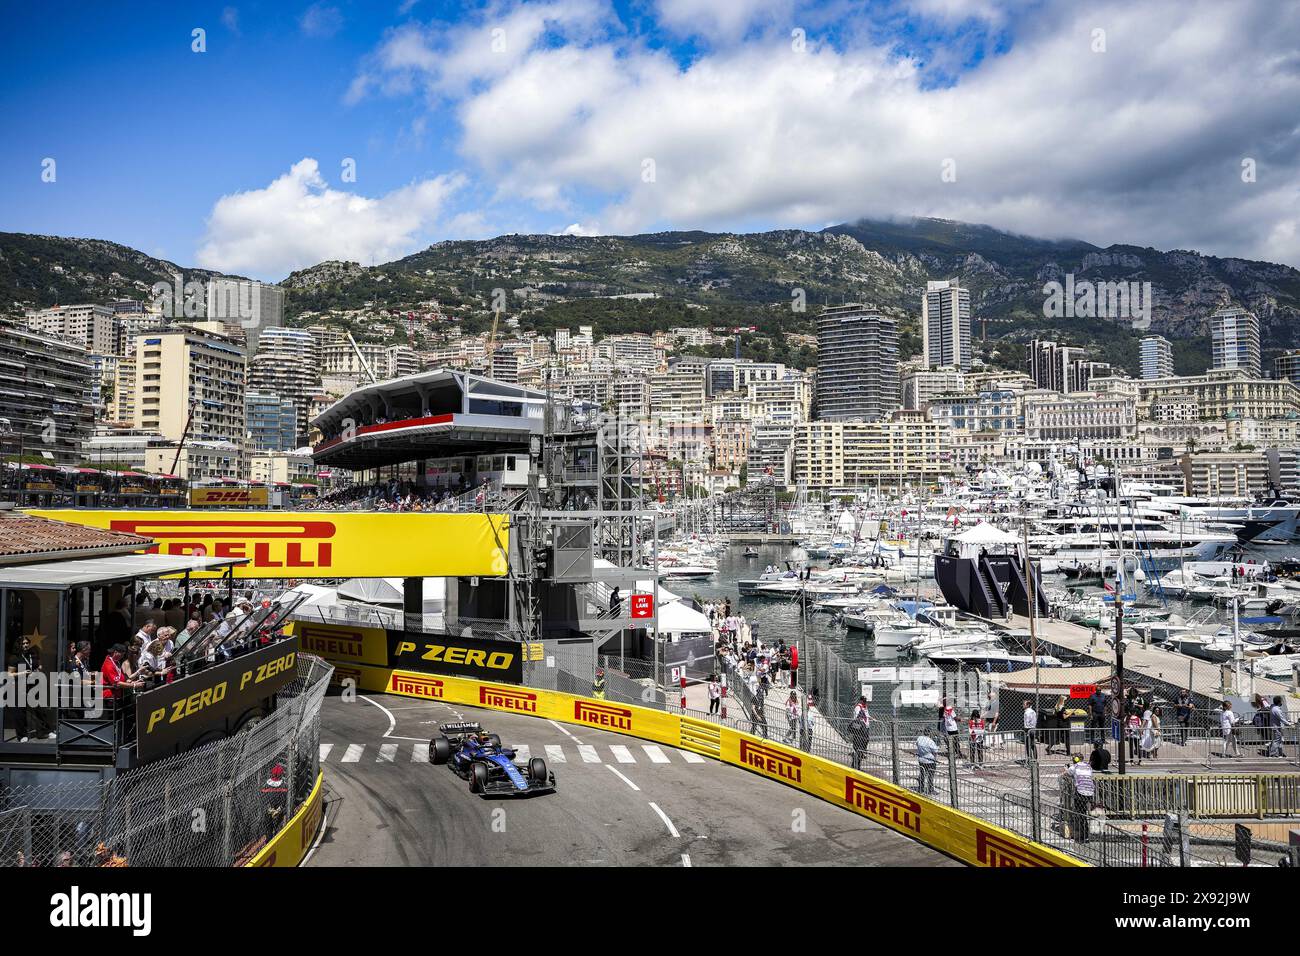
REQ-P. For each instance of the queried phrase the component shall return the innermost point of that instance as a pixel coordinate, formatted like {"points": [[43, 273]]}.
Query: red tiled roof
{"points": [[24, 535]]}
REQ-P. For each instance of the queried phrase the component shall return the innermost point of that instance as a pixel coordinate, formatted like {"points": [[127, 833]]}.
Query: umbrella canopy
{"points": [[389, 591], [985, 534]]}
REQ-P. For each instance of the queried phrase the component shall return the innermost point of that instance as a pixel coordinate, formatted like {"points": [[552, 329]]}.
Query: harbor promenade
{"points": [[1156, 664]]}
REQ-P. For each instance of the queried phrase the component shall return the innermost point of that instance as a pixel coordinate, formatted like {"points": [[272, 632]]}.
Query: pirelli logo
{"points": [[994, 850], [267, 544], [416, 686], [311, 822], [602, 715], [771, 761], [882, 804], [342, 675], [335, 642], [505, 698]]}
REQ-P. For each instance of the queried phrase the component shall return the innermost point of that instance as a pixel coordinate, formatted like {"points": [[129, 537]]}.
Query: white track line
{"points": [[392, 721], [686, 859], [565, 730], [386, 753], [555, 754], [523, 752], [691, 757], [654, 753], [618, 773], [420, 753], [325, 751], [353, 753], [588, 753], [320, 834], [621, 753], [664, 817]]}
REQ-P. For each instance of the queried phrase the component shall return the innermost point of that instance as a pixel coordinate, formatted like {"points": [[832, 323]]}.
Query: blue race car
{"points": [[489, 767]]}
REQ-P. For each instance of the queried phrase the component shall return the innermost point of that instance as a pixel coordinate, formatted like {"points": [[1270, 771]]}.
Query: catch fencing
{"points": [[997, 778], [215, 805]]}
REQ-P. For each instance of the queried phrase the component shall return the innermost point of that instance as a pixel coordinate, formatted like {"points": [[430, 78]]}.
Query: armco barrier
{"points": [[958, 834], [290, 845]]}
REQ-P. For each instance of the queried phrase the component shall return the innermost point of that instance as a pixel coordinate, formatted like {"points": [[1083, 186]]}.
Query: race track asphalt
{"points": [[620, 801]]}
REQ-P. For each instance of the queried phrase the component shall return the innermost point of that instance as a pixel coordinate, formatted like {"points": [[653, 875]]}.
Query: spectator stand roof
{"points": [[432, 414]]}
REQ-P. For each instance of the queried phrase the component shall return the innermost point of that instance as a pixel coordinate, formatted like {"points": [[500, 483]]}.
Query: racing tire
{"points": [[492, 740], [478, 778], [441, 749], [537, 770]]}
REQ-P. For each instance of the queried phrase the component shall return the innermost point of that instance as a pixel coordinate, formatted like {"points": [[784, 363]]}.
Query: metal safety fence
{"points": [[215, 805], [1003, 775]]}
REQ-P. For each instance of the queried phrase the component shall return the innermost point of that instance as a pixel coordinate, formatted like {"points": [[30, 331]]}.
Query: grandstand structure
{"points": [[567, 477]]}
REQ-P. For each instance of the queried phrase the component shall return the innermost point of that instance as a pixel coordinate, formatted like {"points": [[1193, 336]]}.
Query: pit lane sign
{"points": [[643, 605]]}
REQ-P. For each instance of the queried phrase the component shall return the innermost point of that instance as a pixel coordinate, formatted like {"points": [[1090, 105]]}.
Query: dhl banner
{"points": [[960, 835], [290, 845], [229, 497], [320, 544]]}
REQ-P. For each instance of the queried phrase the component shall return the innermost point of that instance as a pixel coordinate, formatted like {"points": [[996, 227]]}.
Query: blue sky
{"points": [[748, 114]]}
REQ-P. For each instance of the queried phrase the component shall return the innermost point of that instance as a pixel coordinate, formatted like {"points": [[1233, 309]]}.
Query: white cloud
{"points": [[1139, 144], [722, 19], [581, 229], [320, 20], [299, 220], [230, 19], [451, 60]]}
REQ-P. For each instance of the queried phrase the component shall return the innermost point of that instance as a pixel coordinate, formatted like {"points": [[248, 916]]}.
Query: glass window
{"points": [[31, 655]]}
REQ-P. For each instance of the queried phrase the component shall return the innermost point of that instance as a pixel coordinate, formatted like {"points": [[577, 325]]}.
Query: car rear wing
{"points": [[463, 727]]}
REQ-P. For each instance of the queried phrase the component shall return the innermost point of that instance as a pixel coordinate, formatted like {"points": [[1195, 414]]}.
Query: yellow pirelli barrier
{"points": [[290, 845], [959, 834], [320, 544]]}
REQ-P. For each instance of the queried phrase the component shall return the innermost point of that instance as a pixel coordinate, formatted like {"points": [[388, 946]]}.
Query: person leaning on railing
{"points": [[116, 683], [155, 659], [1079, 776]]}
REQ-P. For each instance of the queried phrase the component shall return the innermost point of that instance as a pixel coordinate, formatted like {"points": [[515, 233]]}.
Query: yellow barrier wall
{"points": [[291, 844], [320, 544], [958, 834]]}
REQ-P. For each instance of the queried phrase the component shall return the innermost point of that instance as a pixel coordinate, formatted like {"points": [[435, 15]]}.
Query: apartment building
{"points": [[946, 325], [272, 421], [190, 370], [93, 327], [630, 395], [788, 399], [906, 449], [677, 397], [1234, 340], [771, 453], [46, 402], [1226, 474], [857, 364], [1157, 357], [198, 460], [1224, 392], [921, 386]]}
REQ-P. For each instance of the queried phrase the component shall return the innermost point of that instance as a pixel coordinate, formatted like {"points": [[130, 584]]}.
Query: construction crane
{"points": [[362, 359], [491, 343]]}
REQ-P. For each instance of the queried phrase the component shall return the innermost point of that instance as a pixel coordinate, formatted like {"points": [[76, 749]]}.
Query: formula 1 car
{"points": [[489, 767]]}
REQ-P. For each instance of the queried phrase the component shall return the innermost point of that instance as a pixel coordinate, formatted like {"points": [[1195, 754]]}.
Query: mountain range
{"points": [[759, 279]]}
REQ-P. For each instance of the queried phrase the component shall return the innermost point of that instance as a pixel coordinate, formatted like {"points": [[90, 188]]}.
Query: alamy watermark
{"points": [[1086, 299], [38, 690], [220, 299]]}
